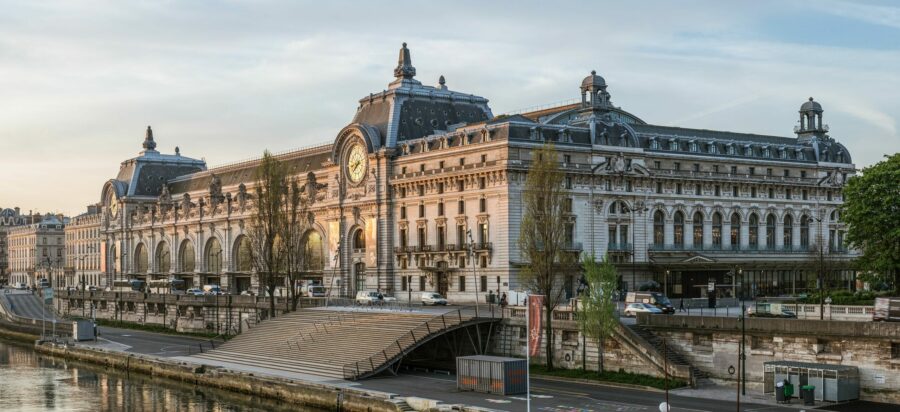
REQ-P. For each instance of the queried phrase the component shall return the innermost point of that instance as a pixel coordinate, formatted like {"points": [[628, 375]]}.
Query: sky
{"points": [[81, 80]]}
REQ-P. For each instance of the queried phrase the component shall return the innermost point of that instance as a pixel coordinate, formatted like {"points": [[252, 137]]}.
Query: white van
{"points": [[432, 298], [314, 291], [368, 297]]}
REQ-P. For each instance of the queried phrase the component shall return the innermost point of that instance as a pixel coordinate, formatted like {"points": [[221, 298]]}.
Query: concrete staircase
{"points": [[340, 343], [671, 353]]}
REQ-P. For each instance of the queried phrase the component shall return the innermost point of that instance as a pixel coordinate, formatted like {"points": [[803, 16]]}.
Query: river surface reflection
{"points": [[32, 382]]}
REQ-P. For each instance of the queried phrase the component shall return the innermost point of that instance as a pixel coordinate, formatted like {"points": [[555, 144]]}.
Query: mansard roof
{"points": [[145, 174]]}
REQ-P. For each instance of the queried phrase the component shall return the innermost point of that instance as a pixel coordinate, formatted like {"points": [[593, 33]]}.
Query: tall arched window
{"points": [[754, 230], [717, 229], [187, 256], [213, 256], [359, 239], [163, 258], [315, 256], [698, 229], [804, 231], [141, 258], [788, 231], [659, 225], [679, 228], [770, 231], [243, 255], [735, 231]]}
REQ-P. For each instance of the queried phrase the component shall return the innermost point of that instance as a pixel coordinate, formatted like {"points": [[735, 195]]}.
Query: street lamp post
{"points": [[634, 211], [472, 261]]}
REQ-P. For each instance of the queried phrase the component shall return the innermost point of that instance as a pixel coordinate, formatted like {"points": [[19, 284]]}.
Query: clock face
{"points": [[357, 163]]}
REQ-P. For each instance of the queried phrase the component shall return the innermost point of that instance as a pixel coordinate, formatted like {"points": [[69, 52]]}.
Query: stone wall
{"points": [[711, 344], [224, 314]]}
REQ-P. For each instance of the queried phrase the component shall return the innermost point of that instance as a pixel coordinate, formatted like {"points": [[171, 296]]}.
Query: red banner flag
{"points": [[535, 303]]}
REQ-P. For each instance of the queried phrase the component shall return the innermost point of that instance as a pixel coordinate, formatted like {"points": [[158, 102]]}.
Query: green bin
{"points": [[808, 393]]}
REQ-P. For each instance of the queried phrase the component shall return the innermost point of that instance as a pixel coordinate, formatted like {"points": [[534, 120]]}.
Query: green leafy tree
{"points": [[598, 319], [871, 210], [542, 238]]}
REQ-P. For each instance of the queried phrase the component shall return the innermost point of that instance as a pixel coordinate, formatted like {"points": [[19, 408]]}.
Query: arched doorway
{"points": [[163, 260], [359, 276], [243, 264], [213, 260], [141, 259]]}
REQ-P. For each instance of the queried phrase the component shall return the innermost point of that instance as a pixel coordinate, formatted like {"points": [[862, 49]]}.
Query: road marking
{"points": [[498, 401]]}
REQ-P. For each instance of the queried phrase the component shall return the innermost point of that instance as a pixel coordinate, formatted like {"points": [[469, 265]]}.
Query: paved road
{"points": [[555, 396], [155, 344], [26, 305]]}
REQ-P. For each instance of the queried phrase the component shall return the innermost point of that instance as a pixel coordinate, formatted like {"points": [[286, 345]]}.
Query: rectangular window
{"points": [[440, 208], [769, 171], [828, 195], [461, 207], [442, 237], [422, 167], [421, 211], [403, 170], [440, 187], [734, 191], [718, 190], [656, 164], [482, 262], [805, 194], [403, 281], [482, 183], [483, 158], [658, 187], [461, 262], [753, 192], [484, 285], [678, 188], [627, 185], [422, 239], [482, 205], [403, 238], [677, 166], [460, 185], [402, 212], [462, 161], [771, 193], [402, 192], [568, 182], [421, 190], [696, 167], [460, 236], [613, 237], [567, 159], [462, 283], [716, 168], [734, 170], [441, 164], [787, 173], [483, 233], [752, 171], [567, 205], [787, 194], [803, 174], [698, 190], [421, 282]]}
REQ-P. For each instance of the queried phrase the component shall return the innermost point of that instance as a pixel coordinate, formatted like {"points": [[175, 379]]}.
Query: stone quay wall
{"points": [[712, 345], [223, 314]]}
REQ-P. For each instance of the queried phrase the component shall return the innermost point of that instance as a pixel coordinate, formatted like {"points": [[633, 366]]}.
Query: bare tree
{"points": [[295, 211], [824, 264], [266, 246], [543, 235]]}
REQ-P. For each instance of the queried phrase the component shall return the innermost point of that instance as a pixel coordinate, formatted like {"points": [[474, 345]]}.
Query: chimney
{"points": [[17, 210]]}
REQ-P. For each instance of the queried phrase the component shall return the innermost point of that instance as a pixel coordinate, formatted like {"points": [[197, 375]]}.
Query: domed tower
{"points": [[593, 91], [810, 121]]}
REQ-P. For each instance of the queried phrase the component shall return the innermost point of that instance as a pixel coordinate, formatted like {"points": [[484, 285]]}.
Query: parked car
{"points": [[212, 290], [21, 286], [431, 298], [634, 308], [886, 310], [367, 298], [248, 292], [194, 292], [656, 299], [314, 291], [769, 310]]}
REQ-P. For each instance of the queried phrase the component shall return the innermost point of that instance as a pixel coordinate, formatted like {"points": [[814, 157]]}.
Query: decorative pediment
{"points": [[698, 259], [461, 220]]}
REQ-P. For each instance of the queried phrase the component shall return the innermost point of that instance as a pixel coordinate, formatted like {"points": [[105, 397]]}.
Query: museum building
{"points": [[422, 191]]}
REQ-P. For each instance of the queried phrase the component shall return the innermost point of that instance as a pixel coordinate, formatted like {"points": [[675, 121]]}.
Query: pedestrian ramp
{"points": [[343, 342]]}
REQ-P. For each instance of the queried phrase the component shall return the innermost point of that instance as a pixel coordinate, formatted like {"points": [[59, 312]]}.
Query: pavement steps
{"points": [[671, 353], [403, 406], [321, 342]]}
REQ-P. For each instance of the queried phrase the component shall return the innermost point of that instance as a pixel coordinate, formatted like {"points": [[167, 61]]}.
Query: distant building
{"points": [[83, 250], [37, 251], [422, 189], [9, 218]]}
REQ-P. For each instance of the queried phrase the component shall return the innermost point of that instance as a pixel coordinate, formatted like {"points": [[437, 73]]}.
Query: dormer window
{"points": [[730, 149], [673, 145], [748, 150], [693, 146], [767, 152], [654, 144], [713, 149]]}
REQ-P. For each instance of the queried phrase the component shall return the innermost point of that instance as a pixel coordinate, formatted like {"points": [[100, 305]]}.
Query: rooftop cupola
{"points": [[810, 120], [593, 91], [404, 72], [149, 145]]}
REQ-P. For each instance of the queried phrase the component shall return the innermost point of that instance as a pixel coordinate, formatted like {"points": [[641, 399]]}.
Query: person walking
{"points": [[503, 301], [681, 305]]}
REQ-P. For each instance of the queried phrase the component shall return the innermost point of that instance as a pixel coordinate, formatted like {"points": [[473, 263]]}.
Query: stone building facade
{"points": [[9, 218], [83, 250], [37, 251], [421, 191]]}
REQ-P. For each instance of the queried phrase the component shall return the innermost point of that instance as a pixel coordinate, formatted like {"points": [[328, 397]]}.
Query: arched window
{"points": [[679, 228], [315, 257], [141, 258], [187, 256], [770, 231], [754, 230], [243, 255], [213, 256], [717, 229], [698, 229], [788, 231], [804, 231], [659, 225], [735, 230], [163, 258], [359, 239]]}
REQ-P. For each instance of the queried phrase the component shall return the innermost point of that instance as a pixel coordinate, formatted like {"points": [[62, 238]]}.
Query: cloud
{"points": [[869, 13]]}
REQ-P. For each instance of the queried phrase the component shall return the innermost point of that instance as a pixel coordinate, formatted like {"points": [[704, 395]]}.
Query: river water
{"points": [[33, 382]]}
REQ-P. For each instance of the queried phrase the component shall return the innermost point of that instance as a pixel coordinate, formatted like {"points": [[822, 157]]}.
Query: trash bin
{"points": [[808, 393], [779, 392]]}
